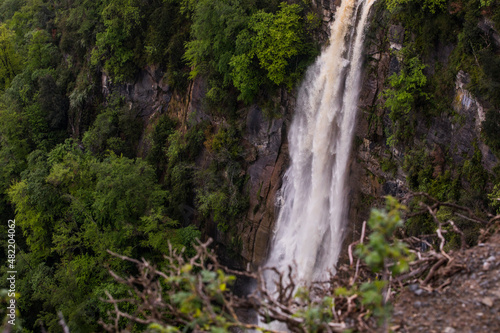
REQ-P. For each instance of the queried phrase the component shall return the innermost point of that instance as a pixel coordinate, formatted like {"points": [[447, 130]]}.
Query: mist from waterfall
{"points": [[309, 230]]}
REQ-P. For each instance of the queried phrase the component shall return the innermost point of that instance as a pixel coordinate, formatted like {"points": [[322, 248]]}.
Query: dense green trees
{"points": [[10, 63], [116, 45], [73, 199], [431, 5], [247, 47], [72, 207], [272, 41]]}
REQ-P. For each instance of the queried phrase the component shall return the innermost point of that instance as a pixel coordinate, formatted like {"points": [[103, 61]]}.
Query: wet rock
{"points": [[265, 136]]}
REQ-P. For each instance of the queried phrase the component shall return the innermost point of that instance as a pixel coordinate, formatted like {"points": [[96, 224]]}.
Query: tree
{"points": [[495, 198], [248, 48], [431, 5], [406, 90], [10, 63], [278, 38], [117, 44], [42, 53], [265, 48], [72, 207]]}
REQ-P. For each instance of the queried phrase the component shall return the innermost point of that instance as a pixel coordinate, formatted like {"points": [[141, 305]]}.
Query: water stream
{"points": [[310, 227]]}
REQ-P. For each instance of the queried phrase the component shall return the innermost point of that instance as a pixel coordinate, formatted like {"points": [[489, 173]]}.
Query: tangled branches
{"points": [[194, 295]]}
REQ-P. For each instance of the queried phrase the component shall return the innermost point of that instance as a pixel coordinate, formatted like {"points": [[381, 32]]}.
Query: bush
{"points": [[406, 89]]}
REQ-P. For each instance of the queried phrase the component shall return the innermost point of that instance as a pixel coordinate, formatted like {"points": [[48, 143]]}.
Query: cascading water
{"points": [[309, 229]]}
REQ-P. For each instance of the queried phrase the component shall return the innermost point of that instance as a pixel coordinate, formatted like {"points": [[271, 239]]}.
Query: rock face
{"points": [[266, 169], [149, 93], [265, 175], [376, 169], [148, 97]]}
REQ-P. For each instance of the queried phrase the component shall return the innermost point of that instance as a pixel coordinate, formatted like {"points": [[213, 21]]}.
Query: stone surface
{"points": [[488, 27], [265, 172], [149, 93], [458, 137]]}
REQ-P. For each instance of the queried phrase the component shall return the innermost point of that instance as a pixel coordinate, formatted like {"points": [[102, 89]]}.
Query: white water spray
{"points": [[309, 230]]}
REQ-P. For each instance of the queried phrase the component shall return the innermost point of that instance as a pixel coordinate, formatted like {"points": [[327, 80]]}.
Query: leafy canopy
{"points": [[271, 40], [430, 5]]}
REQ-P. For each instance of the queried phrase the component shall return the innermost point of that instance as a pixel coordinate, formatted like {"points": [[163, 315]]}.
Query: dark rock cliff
{"points": [[265, 139]]}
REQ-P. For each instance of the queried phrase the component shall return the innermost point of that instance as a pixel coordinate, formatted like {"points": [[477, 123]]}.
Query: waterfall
{"points": [[309, 230]]}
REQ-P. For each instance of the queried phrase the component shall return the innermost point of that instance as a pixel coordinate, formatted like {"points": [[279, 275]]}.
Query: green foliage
{"points": [[10, 62], [41, 52], [116, 129], [72, 207], [464, 184], [277, 40], [215, 26], [167, 32], [272, 40], [180, 151], [221, 196], [14, 148], [220, 193], [162, 131], [9, 7], [474, 173], [116, 45], [226, 143], [380, 253], [422, 177], [383, 255], [401, 98], [246, 47], [494, 196], [430, 5]]}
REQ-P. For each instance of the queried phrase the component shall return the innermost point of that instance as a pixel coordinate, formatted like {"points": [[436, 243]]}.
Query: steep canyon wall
{"points": [[449, 138]]}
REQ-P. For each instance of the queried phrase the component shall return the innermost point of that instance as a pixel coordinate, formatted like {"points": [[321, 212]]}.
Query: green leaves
{"points": [[430, 5], [216, 25], [406, 89], [272, 40], [41, 52], [10, 62], [72, 207], [380, 254], [115, 46], [495, 198], [248, 48], [277, 39]]}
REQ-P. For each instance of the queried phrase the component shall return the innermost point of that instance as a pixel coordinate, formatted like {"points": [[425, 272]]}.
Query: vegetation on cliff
{"points": [[70, 169], [72, 176]]}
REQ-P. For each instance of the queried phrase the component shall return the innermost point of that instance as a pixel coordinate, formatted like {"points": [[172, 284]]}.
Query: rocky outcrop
{"points": [[148, 94], [449, 139], [147, 97], [376, 169], [267, 138], [488, 27]]}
